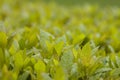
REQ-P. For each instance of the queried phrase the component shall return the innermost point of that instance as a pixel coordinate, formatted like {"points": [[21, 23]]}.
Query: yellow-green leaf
{"points": [[40, 67], [3, 40]]}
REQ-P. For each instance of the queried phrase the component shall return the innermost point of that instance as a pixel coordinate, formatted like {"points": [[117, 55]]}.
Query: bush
{"points": [[49, 42]]}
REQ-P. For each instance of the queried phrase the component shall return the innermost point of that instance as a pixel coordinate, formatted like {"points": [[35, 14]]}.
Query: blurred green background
{"points": [[80, 2], [73, 2]]}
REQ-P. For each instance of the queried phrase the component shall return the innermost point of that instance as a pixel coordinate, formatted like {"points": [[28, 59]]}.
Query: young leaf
{"points": [[67, 60], [59, 47], [86, 50], [3, 40], [78, 38], [2, 58], [40, 67], [18, 60], [59, 74]]}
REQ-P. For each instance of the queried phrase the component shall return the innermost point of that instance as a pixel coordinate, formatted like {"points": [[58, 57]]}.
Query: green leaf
{"points": [[45, 36], [8, 75], [46, 76], [75, 53], [18, 60], [67, 60], [115, 72], [86, 50], [55, 62], [3, 40], [2, 58], [26, 61], [40, 67], [61, 39], [59, 74], [49, 46], [14, 47], [59, 47], [95, 50], [22, 43], [78, 38], [101, 70], [24, 76], [32, 40]]}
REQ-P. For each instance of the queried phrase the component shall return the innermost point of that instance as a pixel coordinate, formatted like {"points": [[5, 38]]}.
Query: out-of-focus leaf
{"points": [[115, 72], [24, 76], [14, 47], [55, 62], [18, 60], [26, 61], [2, 58], [3, 40], [61, 39], [67, 60], [86, 50], [8, 75], [46, 76], [32, 41], [78, 38], [40, 67], [59, 74], [103, 70], [59, 47], [75, 53]]}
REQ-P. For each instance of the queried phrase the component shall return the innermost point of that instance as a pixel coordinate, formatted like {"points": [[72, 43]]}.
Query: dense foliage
{"points": [[50, 42]]}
